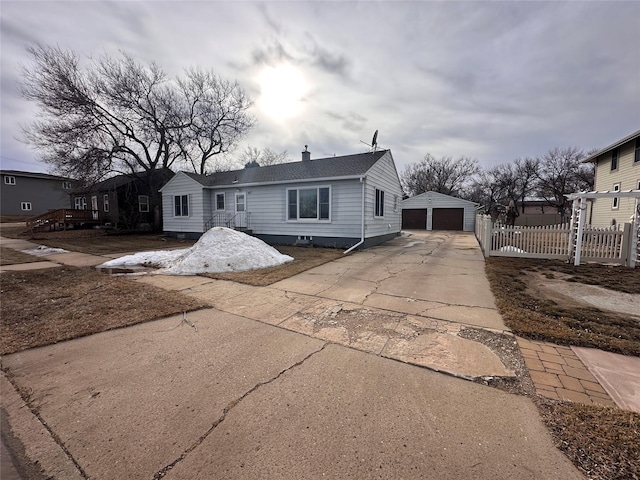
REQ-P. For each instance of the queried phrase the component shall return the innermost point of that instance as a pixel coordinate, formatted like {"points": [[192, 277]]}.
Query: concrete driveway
{"points": [[297, 380]]}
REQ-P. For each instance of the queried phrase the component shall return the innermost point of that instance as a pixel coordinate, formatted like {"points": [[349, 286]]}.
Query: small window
{"points": [[80, 203], [105, 202], [181, 205], [614, 159], [143, 203], [220, 201], [379, 208], [395, 203], [636, 157], [25, 206], [66, 185], [616, 200], [9, 180]]}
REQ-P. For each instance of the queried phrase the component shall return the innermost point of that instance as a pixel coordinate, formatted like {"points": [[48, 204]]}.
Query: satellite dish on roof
{"points": [[374, 142]]}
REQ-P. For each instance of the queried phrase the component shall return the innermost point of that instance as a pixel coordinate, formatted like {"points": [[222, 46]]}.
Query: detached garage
{"points": [[435, 211]]}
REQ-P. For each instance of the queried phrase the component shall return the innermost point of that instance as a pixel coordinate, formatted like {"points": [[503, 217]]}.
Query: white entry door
{"points": [[241, 210]]}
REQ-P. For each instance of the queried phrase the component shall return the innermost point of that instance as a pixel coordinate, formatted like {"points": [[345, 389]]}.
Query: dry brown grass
{"points": [[539, 318], [42, 307], [9, 256], [97, 241], [304, 258], [603, 442]]}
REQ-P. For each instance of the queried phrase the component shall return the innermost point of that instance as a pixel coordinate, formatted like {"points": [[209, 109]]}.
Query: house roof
{"points": [[594, 157], [432, 194], [331, 167], [117, 181], [19, 173]]}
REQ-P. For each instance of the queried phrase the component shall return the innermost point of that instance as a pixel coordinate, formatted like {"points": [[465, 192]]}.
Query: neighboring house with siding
{"points": [[617, 169], [437, 211], [336, 202], [31, 193], [129, 202]]}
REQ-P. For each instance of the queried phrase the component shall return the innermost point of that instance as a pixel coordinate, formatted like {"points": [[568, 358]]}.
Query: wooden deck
{"points": [[64, 218]]}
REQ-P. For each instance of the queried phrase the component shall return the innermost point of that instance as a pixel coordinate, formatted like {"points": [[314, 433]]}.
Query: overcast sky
{"points": [[490, 80]]}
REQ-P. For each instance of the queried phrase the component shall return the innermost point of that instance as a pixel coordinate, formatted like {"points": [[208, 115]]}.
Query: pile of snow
{"points": [[218, 250], [511, 248], [43, 251]]}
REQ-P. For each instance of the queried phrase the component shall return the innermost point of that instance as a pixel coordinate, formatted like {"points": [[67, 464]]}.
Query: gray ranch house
{"points": [[351, 201]]}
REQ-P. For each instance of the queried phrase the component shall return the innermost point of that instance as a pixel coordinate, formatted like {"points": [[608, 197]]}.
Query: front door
{"points": [[94, 207], [241, 210]]}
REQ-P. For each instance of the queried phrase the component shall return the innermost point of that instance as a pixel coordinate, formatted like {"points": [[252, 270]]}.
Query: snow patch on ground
{"points": [[511, 248], [218, 250], [43, 251]]}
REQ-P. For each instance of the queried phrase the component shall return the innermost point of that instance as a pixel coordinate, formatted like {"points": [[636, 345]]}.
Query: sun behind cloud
{"points": [[282, 90]]}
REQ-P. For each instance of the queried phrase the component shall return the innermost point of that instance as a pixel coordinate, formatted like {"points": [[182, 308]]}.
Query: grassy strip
{"points": [[42, 307], [304, 258], [9, 256]]}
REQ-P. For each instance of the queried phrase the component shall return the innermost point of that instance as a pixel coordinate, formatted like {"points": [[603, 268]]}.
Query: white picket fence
{"points": [[607, 245]]}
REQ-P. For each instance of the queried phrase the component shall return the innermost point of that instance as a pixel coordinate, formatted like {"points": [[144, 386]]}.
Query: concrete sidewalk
{"points": [[245, 399]]}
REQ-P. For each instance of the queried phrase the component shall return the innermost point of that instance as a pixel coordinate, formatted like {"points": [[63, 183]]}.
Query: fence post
{"points": [[487, 236], [626, 245]]}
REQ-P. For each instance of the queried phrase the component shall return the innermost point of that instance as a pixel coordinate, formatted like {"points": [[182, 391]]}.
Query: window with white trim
{"points": [[614, 159], [105, 202], [25, 206], [143, 203], [379, 207], [616, 200], [9, 180], [220, 201], [308, 204], [636, 155], [395, 203], [181, 205], [80, 203], [66, 185]]}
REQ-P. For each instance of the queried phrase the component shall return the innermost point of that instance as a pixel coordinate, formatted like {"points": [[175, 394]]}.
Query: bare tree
{"points": [[252, 156], [561, 172], [443, 175], [118, 115]]}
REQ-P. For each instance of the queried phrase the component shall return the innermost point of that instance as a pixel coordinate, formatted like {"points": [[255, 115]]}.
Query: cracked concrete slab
{"points": [[173, 282], [345, 414], [128, 402], [77, 259]]}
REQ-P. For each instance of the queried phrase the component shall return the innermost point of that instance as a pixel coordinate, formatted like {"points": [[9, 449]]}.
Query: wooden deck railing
{"points": [[62, 218]]}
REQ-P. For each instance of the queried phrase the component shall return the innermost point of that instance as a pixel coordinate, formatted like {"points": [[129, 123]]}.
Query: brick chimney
{"points": [[306, 155]]}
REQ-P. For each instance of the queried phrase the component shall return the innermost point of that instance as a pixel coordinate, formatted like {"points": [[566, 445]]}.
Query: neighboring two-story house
{"points": [[617, 169], [25, 194]]}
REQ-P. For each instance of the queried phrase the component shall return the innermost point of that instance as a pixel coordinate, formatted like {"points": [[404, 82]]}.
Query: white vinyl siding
{"points": [[384, 177], [182, 184]]}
